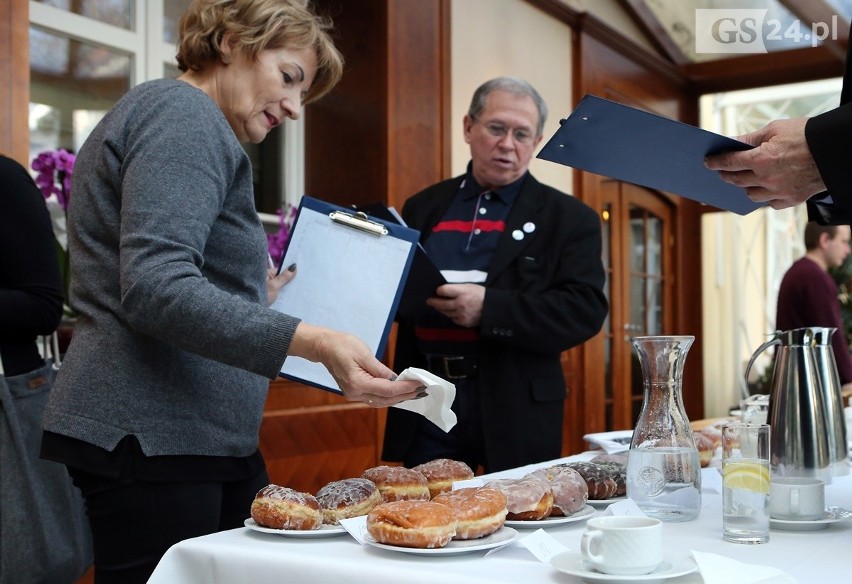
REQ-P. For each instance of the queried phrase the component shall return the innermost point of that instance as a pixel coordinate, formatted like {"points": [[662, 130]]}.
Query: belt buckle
{"points": [[446, 362]]}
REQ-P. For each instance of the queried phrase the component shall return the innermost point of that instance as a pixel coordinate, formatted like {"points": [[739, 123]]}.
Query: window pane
{"points": [[72, 85], [115, 12], [655, 306], [172, 11], [637, 239], [638, 316], [655, 246]]}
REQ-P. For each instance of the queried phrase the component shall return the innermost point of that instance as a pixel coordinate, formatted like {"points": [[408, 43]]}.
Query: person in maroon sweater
{"points": [[808, 294]]}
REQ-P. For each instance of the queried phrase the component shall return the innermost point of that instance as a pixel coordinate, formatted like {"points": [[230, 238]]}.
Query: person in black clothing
{"points": [[43, 529], [525, 283], [30, 294]]}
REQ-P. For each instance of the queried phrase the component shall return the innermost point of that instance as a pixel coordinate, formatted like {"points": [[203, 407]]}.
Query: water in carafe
{"points": [[663, 469]]}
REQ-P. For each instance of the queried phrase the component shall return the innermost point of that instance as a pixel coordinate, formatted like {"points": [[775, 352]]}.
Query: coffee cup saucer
{"points": [[829, 516], [672, 566]]}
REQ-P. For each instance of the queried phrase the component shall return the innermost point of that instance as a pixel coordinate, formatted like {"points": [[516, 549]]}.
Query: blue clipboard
{"points": [[351, 272], [639, 147], [424, 277]]}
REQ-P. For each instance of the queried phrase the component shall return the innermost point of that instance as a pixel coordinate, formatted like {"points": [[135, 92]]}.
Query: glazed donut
{"points": [[616, 464], [347, 498], [479, 511], [283, 508], [413, 524], [529, 498], [569, 489], [600, 479], [441, 473], [397, 483]]}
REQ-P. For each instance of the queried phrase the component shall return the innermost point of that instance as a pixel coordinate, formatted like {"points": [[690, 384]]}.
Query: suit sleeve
{"points": [[827, 135]]}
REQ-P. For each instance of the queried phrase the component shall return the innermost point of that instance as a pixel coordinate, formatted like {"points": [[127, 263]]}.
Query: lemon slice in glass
{"points": [[746, 474]]}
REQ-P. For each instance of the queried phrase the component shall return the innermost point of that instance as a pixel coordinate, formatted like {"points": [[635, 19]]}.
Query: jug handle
{"points": [[773, 341]]}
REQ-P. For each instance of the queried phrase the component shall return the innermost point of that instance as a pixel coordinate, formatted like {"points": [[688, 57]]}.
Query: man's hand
{"points": [[462, 303], [780, 169]]}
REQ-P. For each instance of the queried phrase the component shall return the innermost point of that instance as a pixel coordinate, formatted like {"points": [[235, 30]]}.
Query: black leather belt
{"points": [[452, 366]]}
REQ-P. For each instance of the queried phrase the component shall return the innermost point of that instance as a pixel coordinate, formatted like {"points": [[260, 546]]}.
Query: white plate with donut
{"points": [[324, 531], [583, 513], [501, 537], [605, 502]]}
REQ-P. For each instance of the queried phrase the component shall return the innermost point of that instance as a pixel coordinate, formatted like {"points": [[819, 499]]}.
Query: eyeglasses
{"points": [[520, 136]]}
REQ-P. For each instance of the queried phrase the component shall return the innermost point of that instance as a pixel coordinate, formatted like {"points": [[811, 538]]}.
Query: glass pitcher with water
{"points": [[663, 469]]}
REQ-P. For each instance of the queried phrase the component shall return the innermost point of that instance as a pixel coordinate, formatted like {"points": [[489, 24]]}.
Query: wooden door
{"points": [[637, 256]]}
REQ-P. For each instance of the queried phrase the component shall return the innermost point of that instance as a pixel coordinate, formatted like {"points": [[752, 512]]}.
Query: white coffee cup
{"points": [[796, 498], [624, 545]]}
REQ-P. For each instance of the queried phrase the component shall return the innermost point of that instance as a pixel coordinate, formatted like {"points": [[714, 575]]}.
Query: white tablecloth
{"points": [[245, 556]]}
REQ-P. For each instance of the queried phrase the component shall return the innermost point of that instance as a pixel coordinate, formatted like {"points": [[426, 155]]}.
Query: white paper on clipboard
{"points": [[348, 279]]}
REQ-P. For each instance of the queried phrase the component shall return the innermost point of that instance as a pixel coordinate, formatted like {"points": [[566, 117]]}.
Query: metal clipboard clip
{"points": [[360, 221]]}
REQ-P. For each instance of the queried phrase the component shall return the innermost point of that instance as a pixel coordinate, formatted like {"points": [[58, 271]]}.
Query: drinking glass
{"points": [[745, 483], [754, 409]]}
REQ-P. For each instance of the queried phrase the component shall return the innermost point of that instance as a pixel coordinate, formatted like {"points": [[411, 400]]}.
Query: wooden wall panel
{"points": [[379, 136], [345, 132], [14, 80], [611, 72], [306, 448], [418, 97]]}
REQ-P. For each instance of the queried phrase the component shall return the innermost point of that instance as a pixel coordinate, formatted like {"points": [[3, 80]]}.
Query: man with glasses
{"points": [[525, 283]]}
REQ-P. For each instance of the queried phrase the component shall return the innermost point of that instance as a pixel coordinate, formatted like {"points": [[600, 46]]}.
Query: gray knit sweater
{"points": [[174, 343]]}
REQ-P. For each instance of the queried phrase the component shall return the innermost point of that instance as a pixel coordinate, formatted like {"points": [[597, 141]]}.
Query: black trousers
{"points": [[135, 522], [464, 442]]}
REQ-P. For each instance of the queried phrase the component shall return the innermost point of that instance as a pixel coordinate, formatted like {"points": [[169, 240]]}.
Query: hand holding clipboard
{"points": [[352, 270]]}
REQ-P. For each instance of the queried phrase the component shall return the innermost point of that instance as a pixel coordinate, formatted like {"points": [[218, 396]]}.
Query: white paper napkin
{"points": [[542, 545], [435, 406], [716, 569], [626, 508], [357, 527]]}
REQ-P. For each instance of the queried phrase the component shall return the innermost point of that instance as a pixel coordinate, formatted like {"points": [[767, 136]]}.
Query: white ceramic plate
{"points": [[604, 503], [501, 537], [603, 438], [551, 521], [672, 566], [324, 531], [831, 515]]}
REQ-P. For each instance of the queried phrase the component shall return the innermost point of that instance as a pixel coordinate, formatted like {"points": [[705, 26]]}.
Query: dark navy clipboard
{"points": [[351, 270], [639, 147]]}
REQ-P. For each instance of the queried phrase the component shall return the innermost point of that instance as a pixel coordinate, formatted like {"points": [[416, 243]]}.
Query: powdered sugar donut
{"points": [[479, 511], [441, 473], [397, 483], [413, 524], [279, 507]]}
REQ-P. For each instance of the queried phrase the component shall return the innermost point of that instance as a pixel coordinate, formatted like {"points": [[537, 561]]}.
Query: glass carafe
{"points": [[663, 470]]}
